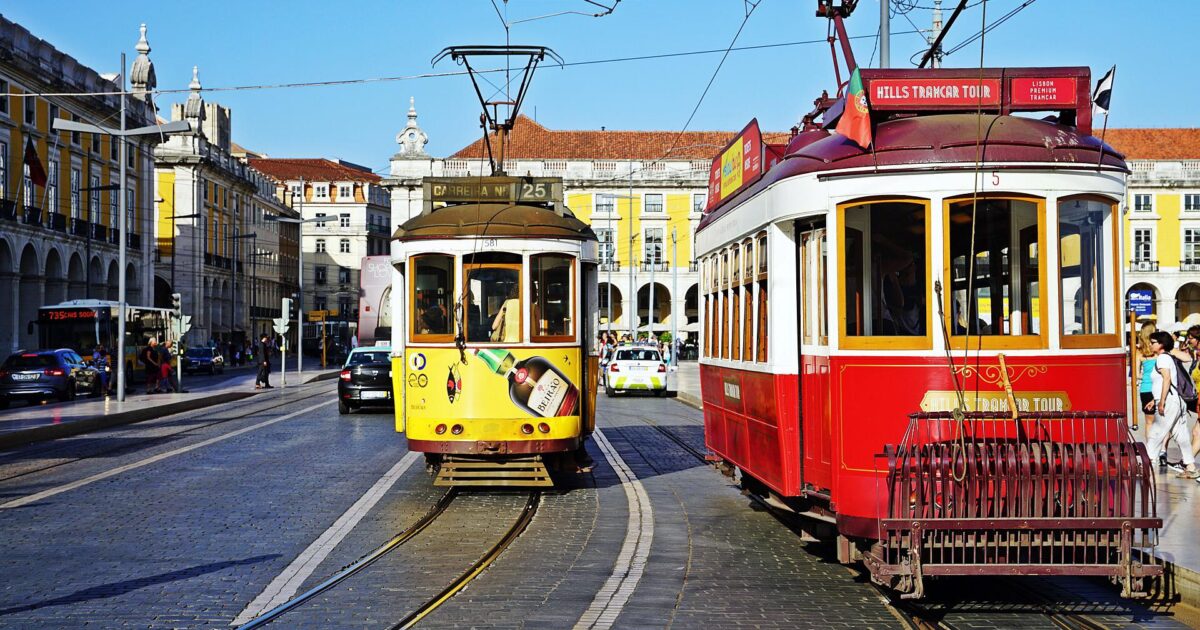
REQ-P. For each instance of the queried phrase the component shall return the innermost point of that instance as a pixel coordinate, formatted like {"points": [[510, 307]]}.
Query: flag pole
{"points": [[1103, 131]]}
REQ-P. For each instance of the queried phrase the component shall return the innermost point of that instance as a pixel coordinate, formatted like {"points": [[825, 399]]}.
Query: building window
{"points": [[1191, 202], [76, 137], [344, 246], [95, 143], [1191, 247], [130, 200], [93, 199], [343, 275], [295, 190], [76, 177], [321, 191], [698, 201], [28, 185], [654, 202], [344, 220], [1143, 245], [607, 250], [605, 203], [320, 223], [112, 207], [320, 246], [3, 99], [130, 155], [53, 113], [114, 149], [319, 274], [654, 246], [345, 191], [1143, 203], [319, 302], [4, 158], [204, 185], [30, 110], [52, 187]]}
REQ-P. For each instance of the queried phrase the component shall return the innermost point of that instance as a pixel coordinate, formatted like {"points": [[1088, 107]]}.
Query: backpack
{"points": [[1183, 381]]}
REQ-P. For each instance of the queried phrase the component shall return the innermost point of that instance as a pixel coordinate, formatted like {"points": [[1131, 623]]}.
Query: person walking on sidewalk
{"points": [[1145, 367], [151, 360], [1170, 413], [263, 380], [168, 378]]}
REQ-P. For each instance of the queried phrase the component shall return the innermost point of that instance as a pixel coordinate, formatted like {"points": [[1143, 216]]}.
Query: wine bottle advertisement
{"points": [[495, 382]]}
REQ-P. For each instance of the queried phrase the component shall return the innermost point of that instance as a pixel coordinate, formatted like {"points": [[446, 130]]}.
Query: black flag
{"points": [[1103, 91]]}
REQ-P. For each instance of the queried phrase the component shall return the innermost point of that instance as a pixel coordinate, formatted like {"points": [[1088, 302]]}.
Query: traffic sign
{"points": [[316, 316], [282, 325], [182, 325], [1141, 303]]}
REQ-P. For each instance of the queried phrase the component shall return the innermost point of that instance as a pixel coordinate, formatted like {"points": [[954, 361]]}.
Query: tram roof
{"points": [[494, 220], [940, 139]]}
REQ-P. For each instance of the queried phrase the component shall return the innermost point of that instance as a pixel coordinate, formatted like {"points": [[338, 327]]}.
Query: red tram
{"points": [[917, 345]]}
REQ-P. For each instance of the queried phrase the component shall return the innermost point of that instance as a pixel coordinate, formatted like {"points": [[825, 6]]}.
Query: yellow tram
{"points": [[492, 361]]}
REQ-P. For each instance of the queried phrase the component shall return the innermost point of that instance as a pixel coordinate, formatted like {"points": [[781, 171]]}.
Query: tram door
{"points": [[815, 417]]}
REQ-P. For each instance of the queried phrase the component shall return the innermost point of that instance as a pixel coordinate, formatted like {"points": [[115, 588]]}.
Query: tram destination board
{"points": [[537, 190]]}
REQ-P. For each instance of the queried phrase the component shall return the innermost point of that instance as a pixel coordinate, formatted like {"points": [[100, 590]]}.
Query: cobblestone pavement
{"points": [[190, 539]]}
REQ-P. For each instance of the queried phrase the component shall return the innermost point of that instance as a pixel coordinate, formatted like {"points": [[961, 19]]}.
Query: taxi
{"points": [[636, 368]]}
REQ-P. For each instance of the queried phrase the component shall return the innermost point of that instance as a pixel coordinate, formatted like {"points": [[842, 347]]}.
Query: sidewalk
{"points": [[23, 423], [1178, 502]]}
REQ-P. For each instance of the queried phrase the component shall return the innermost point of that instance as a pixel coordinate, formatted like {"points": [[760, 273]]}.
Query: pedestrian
{"points": [[100, 361], [1146, 368], [168, 376], [263, 380], [152, 364], [1170, 413]]}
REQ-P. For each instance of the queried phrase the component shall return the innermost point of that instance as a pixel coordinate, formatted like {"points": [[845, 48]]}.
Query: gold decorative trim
{"points": [[991, 375]]}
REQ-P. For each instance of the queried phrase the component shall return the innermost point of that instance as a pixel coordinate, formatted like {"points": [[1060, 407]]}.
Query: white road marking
{"points": [[631, 562], [26, 500], [288, 583]]}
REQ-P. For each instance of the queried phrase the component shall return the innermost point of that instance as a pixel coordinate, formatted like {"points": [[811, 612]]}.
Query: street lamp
{"points": [[88, 284], [674, 296], [175, 126], [300, 278]]}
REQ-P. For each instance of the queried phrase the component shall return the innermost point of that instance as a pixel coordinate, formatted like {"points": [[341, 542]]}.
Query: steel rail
{"points": [[357, 565], [518, 527], [245, 403]]}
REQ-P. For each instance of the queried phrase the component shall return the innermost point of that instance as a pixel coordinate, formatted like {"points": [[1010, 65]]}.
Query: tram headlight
{"points": [[527, 429], [543, 427], [439, 429], [457, 429]]}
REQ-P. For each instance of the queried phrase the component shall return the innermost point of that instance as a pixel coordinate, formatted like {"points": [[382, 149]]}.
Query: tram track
{"points": [[151, 440], [456, 585], [911, 614]]}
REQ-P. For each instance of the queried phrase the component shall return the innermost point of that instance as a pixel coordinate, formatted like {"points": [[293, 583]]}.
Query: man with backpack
{"points": [[1171, 387]]}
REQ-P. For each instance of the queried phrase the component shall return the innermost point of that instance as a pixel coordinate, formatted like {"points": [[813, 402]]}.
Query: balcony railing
{"points": [[1189, 264], [114, 235], [32, 216], [58, 222], [1143, 265], [134, 241], [375, 228], [653, 266], [693, 266], [8, 210], [79, 227], [99, 232], [611, 265]]}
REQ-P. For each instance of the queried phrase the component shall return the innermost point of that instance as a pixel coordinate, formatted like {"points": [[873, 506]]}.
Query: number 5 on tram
{"points": [[493, 363]]}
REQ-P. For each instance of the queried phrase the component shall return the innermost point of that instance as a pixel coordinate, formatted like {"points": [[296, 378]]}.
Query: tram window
{"points": [[551, 290], [723, 308], [735, 323], [885, 269], [762, 321], [748, 323], [492, 310], [433, 278], [1006, 260], [1086, 234]]}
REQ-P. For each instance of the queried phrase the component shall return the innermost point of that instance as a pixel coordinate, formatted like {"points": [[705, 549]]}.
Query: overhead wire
{"points": [[989, 27]]}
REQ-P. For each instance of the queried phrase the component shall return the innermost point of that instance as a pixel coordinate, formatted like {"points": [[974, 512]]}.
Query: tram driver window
{"points": [[550, 286], [1002, 255], [885, 272], [432, 301], [1085, 248], [493, 303]]}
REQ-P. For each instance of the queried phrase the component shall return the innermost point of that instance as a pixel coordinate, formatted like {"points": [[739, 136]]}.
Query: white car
{"points": [[636, 368]]}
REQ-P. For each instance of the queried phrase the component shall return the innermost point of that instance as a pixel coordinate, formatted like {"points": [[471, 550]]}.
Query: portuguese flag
{"points": [[855, 122]]}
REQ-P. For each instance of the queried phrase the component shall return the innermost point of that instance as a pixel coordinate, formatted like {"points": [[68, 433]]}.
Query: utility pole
{"points": [[885, 37], [674, 296], [935, 60]]}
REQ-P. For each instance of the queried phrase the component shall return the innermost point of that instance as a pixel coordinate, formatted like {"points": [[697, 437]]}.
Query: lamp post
{"points": [[175, 126], [300, 279], [674, 296], [88, 280]]}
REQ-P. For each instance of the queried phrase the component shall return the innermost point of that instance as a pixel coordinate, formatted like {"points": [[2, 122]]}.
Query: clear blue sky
{"points": [[249, 43]]}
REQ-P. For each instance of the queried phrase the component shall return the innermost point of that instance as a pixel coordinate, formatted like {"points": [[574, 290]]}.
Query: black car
{"points": [[203, 359], [44, 374], [366, 379]]}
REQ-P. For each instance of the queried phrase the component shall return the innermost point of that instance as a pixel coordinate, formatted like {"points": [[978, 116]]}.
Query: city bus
{"points": [[81, 325]]}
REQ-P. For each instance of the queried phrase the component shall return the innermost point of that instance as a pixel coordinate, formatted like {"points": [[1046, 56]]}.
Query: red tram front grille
{"points": [[1048, 494]]}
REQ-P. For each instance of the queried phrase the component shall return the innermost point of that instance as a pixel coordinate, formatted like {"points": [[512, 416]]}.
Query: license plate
{"points": [[368, 395], [26, 377], [640, 368]]}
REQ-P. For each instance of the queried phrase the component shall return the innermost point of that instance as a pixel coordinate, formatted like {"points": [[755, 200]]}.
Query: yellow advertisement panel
{"points": [[492, 383], [731, 169]]}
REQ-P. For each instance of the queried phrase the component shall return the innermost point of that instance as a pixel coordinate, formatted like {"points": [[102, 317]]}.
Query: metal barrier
{"points": [[1046, 494]]}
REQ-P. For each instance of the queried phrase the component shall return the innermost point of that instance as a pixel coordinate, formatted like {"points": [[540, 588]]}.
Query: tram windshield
{"points": [[550, 278], [1001, 247], [433, 279], [886, 269], [493, 310]]}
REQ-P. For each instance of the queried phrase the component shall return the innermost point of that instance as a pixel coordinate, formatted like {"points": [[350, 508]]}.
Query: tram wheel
{"points": [[343, 408]]}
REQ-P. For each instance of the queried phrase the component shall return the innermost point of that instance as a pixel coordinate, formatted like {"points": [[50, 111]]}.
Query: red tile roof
{"points": [[1155, 144], [530, 140], [311, 169]]}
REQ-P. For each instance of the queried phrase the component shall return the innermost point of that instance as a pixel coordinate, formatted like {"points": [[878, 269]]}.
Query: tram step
{"points": [[519, 473]]}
